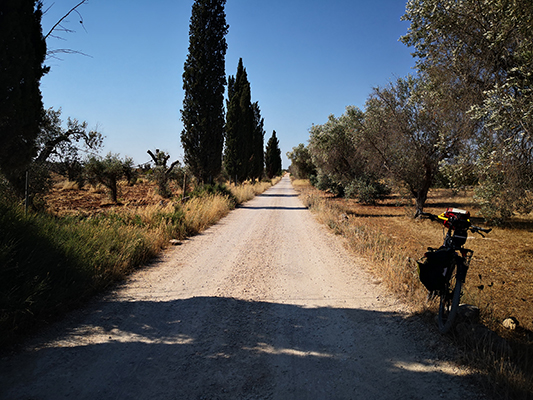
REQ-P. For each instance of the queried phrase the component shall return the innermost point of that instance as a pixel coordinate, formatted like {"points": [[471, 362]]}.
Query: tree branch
{"points": [[63, 18]]}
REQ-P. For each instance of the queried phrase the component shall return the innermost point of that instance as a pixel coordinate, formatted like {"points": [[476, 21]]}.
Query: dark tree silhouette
{"points": [[203, 81], [273, 157], [22, 54], [239, 126], [257, 162]]}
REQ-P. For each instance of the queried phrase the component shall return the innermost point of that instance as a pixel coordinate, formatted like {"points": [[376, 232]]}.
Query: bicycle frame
{"points": [[458, 224]]}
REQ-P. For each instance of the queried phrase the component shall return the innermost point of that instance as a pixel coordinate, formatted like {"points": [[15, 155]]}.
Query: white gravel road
{"points": [[267, 304]]}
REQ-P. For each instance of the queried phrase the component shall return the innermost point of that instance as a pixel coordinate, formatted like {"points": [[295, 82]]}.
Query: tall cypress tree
{"points": [[273, 157], [22, 54], [239, 126], [203, 81], [257, 164]]}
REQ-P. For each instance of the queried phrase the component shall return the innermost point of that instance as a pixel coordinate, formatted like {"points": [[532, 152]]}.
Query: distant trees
{"points": [[22, 55], [162, 172], [345, 164], [203, 81], [273, 157], [107, 171], [243, 154], [257, 158], [466, 117], [302, 166]]}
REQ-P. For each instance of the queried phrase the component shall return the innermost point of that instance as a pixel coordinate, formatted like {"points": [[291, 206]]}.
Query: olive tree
{"points": [[485, 46], [412, 128]]}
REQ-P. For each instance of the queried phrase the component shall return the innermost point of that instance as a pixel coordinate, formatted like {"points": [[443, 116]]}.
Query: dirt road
{"points": [[265, 305]]}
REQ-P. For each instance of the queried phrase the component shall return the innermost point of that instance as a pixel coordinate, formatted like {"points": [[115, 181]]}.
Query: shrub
{"points": [[367, 191], [213, 189]]}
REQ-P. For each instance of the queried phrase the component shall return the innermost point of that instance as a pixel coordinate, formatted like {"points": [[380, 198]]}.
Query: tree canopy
{"points": [[22, 55], [243, 154], [273, 157], [203, 81]]}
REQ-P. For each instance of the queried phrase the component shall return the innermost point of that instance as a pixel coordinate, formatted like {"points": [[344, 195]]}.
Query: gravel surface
{"points": [[267, 304]]}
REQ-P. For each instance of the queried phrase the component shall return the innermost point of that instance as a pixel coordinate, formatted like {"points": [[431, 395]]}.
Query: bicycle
{"points": [[443, 270]]}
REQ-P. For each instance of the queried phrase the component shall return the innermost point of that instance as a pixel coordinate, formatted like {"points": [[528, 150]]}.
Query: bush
{"points": [[211, 190], [324, 182], [47, 262], [367, 191]]}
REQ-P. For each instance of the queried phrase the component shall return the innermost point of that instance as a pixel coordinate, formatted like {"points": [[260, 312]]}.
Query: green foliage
{"points": [[214, 189], [457, 173], [302, 166], [47, 263], [239, 126], [129, 171], [106, 171], [337, 152], [504, 187], [273, 157], [203, 81], [367, 190], [257, 158], [22, 54], [243, 153], [484, 52], [162, 173], [324, 182], [413, 126]]}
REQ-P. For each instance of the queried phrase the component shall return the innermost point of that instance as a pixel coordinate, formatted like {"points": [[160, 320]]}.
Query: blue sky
{"points": [[305, 59]]}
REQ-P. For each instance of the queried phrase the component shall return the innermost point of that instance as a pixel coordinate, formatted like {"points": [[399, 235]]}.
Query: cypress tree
{"points": [[203, 81], [257, 164], [273, 157], [22, 54], [239, 126]]}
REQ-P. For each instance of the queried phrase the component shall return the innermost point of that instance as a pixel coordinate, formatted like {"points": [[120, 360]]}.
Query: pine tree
{"points": [[22, 54], [203, 81], [273, 157]]}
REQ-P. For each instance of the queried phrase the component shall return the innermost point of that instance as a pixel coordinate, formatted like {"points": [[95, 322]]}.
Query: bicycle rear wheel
{"points": [[449, 302]]}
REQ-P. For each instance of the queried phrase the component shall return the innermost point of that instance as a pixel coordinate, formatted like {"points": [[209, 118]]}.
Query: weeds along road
{"points": [[265, 305]]}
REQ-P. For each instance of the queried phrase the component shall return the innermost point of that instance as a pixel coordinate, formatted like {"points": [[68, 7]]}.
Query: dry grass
{"points": [[202, 212], [248, 190], [499, 281], [57, 259]]}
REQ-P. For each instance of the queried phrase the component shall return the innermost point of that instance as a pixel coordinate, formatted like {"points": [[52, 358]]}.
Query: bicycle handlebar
{"points": [[477, 229], [472, 228], [429, 215]]}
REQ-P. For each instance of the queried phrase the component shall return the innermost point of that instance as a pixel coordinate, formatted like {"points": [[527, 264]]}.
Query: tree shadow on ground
{"points": [[225, 348]]}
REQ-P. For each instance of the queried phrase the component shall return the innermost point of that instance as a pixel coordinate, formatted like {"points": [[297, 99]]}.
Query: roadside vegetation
{"points": [[54, 259], [73, 222], [455, 133], [498, 281]]}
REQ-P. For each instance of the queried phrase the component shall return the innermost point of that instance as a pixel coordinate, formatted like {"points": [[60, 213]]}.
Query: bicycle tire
{"points": [[449, 303]]}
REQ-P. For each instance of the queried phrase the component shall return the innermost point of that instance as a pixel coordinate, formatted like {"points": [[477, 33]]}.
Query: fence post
{"points": [[26, 194]]}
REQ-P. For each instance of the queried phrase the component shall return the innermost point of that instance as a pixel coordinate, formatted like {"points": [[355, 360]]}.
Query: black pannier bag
{"points": [[434, 267]]}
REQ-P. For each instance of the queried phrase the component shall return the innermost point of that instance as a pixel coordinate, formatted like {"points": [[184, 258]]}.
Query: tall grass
{"points": [[248, 190], [389, 262], [49, 264], [509, 374]]}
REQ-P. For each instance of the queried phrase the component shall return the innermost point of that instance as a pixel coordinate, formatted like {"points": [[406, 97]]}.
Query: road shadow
{"points": [[225, 348], [272, 207], [276, 195]]}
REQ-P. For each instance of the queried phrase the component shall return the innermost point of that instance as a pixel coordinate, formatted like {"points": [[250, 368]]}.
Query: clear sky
{"points": [[305, 59]]}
